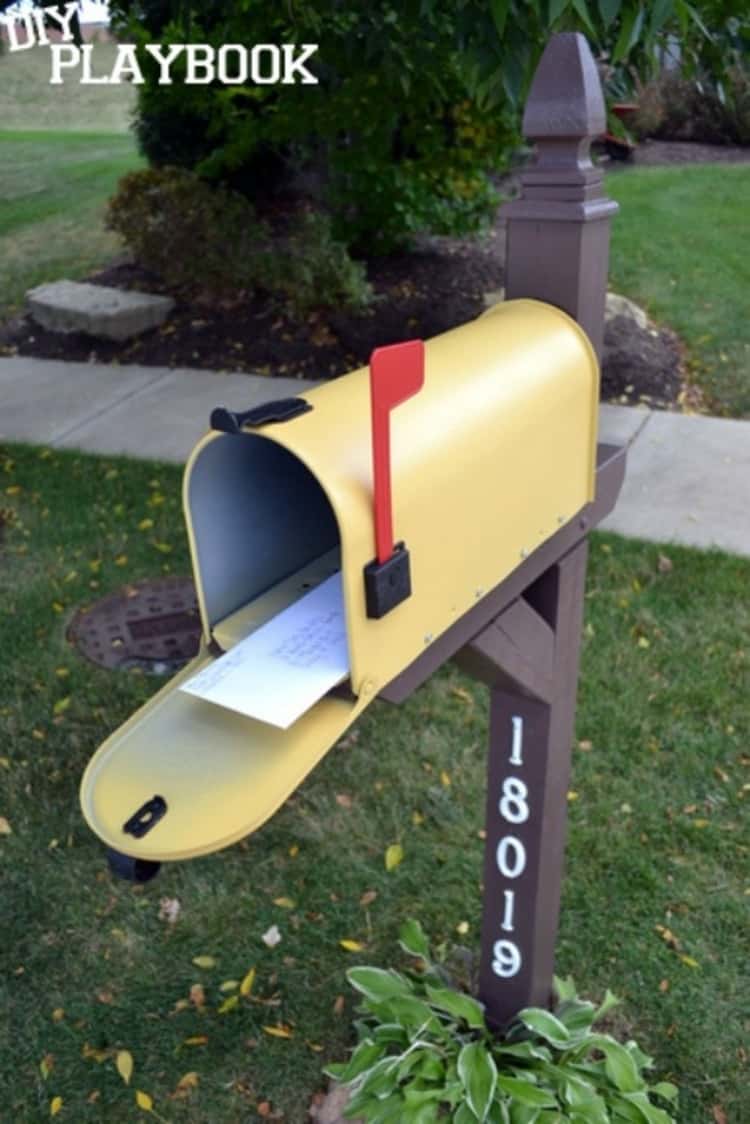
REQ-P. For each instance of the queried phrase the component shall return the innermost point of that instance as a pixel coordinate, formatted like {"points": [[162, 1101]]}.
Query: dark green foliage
{"points": [[676, 108], [424, 1054], [198, 237]]}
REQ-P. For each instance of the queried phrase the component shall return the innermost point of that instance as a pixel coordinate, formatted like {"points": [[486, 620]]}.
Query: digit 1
{"points": [[507, 925], [515, 753]]}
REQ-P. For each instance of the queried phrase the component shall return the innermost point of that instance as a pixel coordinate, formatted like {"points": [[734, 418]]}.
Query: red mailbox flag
{"points": [[396, 373]]}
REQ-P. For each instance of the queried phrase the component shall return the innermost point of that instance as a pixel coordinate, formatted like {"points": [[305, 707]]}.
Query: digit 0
{"points": [[513, 805], [506, 959], [511, 857]]}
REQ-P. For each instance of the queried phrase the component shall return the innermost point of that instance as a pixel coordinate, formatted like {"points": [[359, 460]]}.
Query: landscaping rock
{"points": [[618, 305], [330, 1109], [114, 314]]}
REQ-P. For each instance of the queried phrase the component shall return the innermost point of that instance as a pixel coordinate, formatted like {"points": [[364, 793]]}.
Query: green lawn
{"points": [[658, 835], [52, 196], [680, 248], [27, 101]]}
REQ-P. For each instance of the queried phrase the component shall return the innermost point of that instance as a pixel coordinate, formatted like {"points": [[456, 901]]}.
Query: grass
{"points": [[27, 101], [52, 196], [679, 247], [657, 836]]}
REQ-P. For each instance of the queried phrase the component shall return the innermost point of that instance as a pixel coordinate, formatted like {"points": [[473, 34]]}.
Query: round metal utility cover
{"points": [[151, 624]]}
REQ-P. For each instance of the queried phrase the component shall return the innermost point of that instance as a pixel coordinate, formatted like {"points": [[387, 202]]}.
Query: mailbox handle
{"points": [[396, 373], [280, 410]]}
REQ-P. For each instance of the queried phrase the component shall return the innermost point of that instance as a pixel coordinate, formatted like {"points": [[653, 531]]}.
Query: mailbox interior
{"points": [[263, 533]]}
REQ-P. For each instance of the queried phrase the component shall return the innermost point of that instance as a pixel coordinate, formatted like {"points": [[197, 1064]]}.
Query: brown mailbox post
{"points": [[523, 638]]}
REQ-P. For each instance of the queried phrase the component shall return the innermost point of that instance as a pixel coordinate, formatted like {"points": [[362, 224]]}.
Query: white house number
{"points": [[511, 855]]}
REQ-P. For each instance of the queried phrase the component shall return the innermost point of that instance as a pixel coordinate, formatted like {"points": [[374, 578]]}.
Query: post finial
{"points": [[565, 99]]}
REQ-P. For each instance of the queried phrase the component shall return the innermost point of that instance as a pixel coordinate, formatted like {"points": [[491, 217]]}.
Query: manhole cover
{"points": [[154, 625]]}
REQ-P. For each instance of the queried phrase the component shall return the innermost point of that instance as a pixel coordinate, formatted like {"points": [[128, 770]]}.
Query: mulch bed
{"points": [[438, 285]]}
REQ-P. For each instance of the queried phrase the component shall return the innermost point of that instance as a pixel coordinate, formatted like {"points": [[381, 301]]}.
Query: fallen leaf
{"points": [[104, 995], [463, 694], [271, 937], [124, 1063], [121, 560], [585, 745], [338, 1005], [284, 903], [445, 779], [664, 985], [644, 642], [61, 705], [462, 928], [188, 1081], [293, 851], [394, 856], [58, 1015], [689, 961], [664, 564], [247, 984], [368, 897], [263, 1108], [195, 1040], [46, 1065], [280, 1031], [572, 795], [204, 962], [719, 1115], [145, 524], [229, 1004], [721, 774], [351, 946], [5, 828], [169, 910], [197, 996], [343, 799], [143, 1100], [417, 818], [229, 985], [55, 1105]]}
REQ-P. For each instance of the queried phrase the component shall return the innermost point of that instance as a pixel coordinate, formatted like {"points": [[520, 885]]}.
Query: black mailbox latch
{"points": [[280, 410]]}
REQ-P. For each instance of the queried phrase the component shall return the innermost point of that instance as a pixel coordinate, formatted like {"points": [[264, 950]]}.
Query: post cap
{"points": [[565, 99]]}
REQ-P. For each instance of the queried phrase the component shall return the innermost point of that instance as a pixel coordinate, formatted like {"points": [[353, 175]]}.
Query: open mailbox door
{"points": [[488, 460]]}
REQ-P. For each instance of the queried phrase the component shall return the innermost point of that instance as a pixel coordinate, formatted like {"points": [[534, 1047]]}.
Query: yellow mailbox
{"points": [[487, 461]]}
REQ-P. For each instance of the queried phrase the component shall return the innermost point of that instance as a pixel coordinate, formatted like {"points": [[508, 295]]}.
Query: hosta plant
{"points": [[425, 1054]]}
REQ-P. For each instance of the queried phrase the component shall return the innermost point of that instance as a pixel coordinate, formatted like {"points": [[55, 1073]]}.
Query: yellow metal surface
{"points": [[488, 461]]}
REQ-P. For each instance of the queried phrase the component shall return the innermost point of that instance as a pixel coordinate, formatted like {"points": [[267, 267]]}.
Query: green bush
{"points": [[677, 108], [425, 1054], [198, 237]]}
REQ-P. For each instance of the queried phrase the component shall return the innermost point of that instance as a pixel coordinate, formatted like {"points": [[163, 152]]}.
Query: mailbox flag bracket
{"points": [[396, 373]]}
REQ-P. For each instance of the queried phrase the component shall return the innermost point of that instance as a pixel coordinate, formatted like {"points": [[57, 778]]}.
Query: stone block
{"points": [[97, 310]]}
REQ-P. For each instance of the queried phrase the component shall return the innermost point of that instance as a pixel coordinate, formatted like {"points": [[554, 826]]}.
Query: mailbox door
{"points": [[220, 773]]}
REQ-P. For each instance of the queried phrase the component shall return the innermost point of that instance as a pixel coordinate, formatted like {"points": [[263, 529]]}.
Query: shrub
{"points": [[690, 109], [198, 237], [425, 1054]]}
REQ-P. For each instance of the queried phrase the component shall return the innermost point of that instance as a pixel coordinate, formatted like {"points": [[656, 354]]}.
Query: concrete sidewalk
{"points": [[688, 478]]}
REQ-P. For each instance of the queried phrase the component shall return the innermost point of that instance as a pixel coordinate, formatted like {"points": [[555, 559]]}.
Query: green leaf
{"points": [[630, 30], [609, 10], [606, 1005], [525, 1051], [499, 10], [649, 1112], [464, 1115], [413, 940], [666, 1090], [565, 989], [478, 1074], [411, 1013], [364, 1057], [576, 1014], [457, 1004], [556, 9], [585, 18], [377, 984], [620, 1066], [525, 1093], [546, 1025]]}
